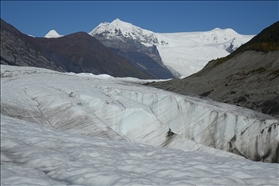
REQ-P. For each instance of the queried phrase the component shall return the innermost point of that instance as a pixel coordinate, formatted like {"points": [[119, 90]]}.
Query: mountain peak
{"points": [[217, 29], [52, 34], [119, 29], [117, 23], [225, 30]]}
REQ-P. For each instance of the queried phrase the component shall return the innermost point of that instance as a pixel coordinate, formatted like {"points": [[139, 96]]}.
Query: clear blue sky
{"points": [[38, 17]]}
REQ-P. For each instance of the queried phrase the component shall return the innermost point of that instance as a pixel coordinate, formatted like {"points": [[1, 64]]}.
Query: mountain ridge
{"points": [[133, 43], [248, 77], [183, 53], [22, 50], [161, 56], [267, 40]]}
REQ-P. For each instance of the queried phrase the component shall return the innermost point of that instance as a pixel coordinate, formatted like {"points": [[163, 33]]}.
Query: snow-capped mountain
{"points": [[119, 29], [134, 44], [52, 34], [77, 52], [185, 52]]}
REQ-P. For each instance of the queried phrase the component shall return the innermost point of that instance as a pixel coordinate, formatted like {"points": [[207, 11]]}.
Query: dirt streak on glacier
{"points": [[123, 109]]}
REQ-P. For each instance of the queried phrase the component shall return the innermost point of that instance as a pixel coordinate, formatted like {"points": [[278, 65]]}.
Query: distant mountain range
{"points": [[121, 50], [183, 53], [249, 77], [78, 52]]}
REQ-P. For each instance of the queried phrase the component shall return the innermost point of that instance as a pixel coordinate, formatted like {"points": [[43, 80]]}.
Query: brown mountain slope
{"points": [[143, 57], [22, 50], [249, 77], [78, 52]]}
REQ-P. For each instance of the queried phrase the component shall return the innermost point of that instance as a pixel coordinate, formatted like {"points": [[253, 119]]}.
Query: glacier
{"points": [[35, 155], [124, 109], [67, 128], [189, 52]]}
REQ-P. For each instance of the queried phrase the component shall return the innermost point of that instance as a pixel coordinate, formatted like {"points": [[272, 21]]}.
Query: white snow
{"points": [[119, 29], [189, 52], [36, 155], [66, 128], [185, 52], [52, 34]]}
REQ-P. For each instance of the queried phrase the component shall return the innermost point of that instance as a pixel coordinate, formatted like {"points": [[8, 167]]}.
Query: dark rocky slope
{"points": [[22, 50], [145, 58], [78, 52], [249, 77]]}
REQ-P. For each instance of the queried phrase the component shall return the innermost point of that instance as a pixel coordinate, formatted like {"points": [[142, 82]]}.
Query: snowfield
{"points": [[189, 52], [83, 129]]}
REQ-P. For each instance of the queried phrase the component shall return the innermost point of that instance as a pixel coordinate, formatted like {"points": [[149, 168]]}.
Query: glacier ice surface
{"points": [[123, 109], [72, 128], [32, 154]]}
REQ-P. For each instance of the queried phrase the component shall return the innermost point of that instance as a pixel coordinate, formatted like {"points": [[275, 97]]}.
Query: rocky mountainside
{"points": [[78, 52], [22, 50], [135, 44], [249, 77]]}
